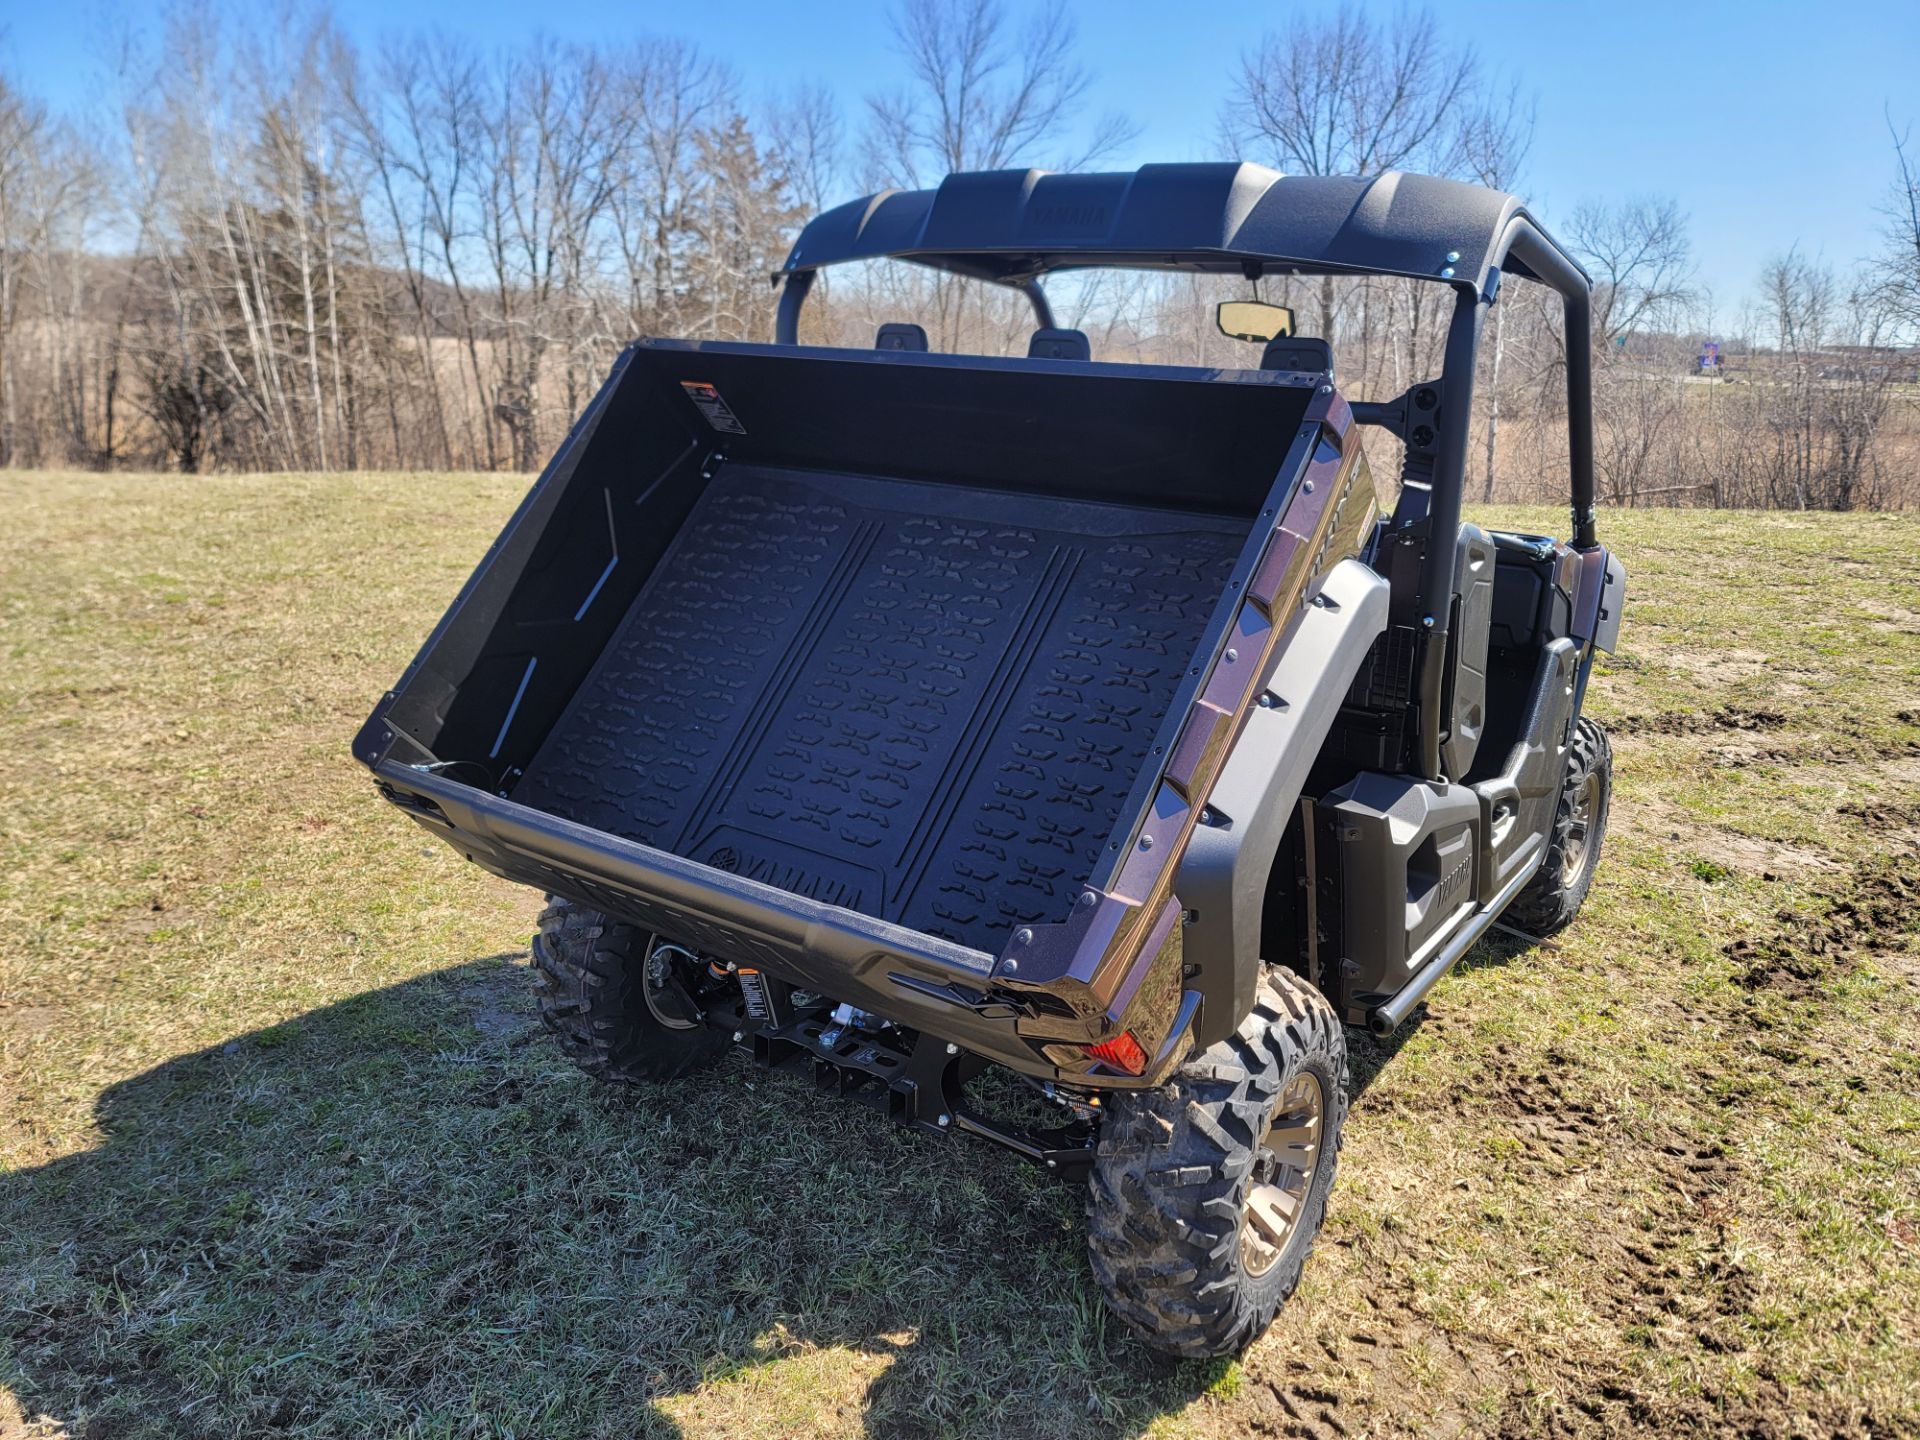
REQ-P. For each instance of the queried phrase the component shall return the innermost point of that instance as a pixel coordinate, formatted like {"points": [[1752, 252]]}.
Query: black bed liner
{"points": [[922, 702], [897, 676]]}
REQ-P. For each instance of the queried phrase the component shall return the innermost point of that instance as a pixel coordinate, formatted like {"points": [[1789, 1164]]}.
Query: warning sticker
{"points": [[713, 407]]}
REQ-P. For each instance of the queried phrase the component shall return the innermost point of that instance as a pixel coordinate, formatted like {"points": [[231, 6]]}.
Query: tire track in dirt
{"points": [[1645, 1267], [1800, 958], [1641, 1274], [1679, 1270], [1354, 1378], [1668, 1269], [1692, 722], [1667, 1266], [1887, 818]]}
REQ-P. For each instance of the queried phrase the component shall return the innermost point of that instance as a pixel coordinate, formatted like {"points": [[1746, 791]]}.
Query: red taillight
{"points": [[1123, 1052]]}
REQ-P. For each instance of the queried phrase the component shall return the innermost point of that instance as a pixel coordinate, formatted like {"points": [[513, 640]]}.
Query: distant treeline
{"points": [[268, 249]]}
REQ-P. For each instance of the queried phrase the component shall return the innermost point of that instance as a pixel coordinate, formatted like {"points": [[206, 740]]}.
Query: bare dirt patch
{"points": [[1694, 722], [1655, 815], [28, 1019], [1888, 817], [1769, 859], [499, 1005], [1892, 618], [1798, 959], [1730, 665], [1739, 754]]}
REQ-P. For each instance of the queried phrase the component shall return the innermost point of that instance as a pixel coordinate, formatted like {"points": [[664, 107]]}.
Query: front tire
{"points": [[599, 1000], [1206, 1193], [1558, 889]]}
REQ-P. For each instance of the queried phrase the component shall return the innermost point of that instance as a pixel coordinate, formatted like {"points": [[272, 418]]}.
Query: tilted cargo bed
{"points": [[885, 672], [926, 703]]}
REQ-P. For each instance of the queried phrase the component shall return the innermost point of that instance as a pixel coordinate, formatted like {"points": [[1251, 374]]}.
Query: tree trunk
{"points": [[1493, 396]]}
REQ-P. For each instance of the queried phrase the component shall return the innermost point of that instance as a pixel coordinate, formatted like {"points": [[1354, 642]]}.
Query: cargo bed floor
{"points": [[923, 703]]}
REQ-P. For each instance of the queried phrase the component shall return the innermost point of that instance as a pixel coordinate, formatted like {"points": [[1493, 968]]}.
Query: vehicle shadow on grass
{"points": [[404, 1211]]}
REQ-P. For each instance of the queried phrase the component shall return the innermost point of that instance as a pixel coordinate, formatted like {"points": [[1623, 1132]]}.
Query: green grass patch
{"points": [[283, 1149]]}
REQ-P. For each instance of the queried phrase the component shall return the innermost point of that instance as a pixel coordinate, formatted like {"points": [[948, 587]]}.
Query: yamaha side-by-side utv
{"points": [[893, 715]]}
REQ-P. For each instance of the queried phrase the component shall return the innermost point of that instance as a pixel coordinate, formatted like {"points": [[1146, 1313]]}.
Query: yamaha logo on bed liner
{"points": [[821, 879]]}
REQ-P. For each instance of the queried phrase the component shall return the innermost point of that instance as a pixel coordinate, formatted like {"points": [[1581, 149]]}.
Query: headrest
{"points": [[900, 336], [1299, 352], [1059, 345]]}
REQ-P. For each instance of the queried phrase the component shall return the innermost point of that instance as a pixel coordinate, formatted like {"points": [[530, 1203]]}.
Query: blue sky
{"points": [[1763, 119]]}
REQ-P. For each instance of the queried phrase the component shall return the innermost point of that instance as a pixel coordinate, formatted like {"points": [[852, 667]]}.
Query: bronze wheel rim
{"points": [[1573, 854], [1284, 1166]]}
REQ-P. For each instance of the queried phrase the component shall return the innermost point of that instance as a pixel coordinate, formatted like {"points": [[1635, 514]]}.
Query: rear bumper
{"points": [[913, 979]]}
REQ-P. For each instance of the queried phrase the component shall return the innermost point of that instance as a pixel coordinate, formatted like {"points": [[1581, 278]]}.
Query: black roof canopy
{"points": [[1016, 225]]}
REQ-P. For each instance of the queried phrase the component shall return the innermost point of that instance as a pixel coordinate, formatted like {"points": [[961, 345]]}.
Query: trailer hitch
{"points": [[921, 1086]]}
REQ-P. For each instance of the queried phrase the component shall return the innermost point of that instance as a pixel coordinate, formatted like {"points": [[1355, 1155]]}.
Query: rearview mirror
{"points": [[1253, 320]]}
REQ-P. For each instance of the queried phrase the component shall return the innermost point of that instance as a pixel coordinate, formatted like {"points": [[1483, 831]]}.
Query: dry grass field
{"points": [[284, 1151]]}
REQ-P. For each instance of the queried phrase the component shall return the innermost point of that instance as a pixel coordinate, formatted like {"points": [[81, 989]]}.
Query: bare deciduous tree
{"points": [[49, 191], [1900, 266], [1342, 94], [980, 95], [1494, 141], [1829, 396], [809, 133], [283, 252], [1638, 255], [1641, 262]]}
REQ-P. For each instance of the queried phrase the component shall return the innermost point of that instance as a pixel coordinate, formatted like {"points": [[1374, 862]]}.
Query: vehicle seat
{"points": [[1059, 345], [1299, 352], [899, 335]]}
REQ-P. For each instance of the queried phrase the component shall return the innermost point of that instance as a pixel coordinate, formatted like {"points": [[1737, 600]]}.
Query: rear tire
{"points": [[1559, 887], [1192, 1181], [590, 974]]}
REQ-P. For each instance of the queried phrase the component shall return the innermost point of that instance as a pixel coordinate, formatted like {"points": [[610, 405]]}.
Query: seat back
{"points": [[898, 335], [1059, 345], [1299, 352]]}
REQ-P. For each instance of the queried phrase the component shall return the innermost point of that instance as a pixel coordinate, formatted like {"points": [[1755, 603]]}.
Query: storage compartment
{"points": [[1392, 836]]}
